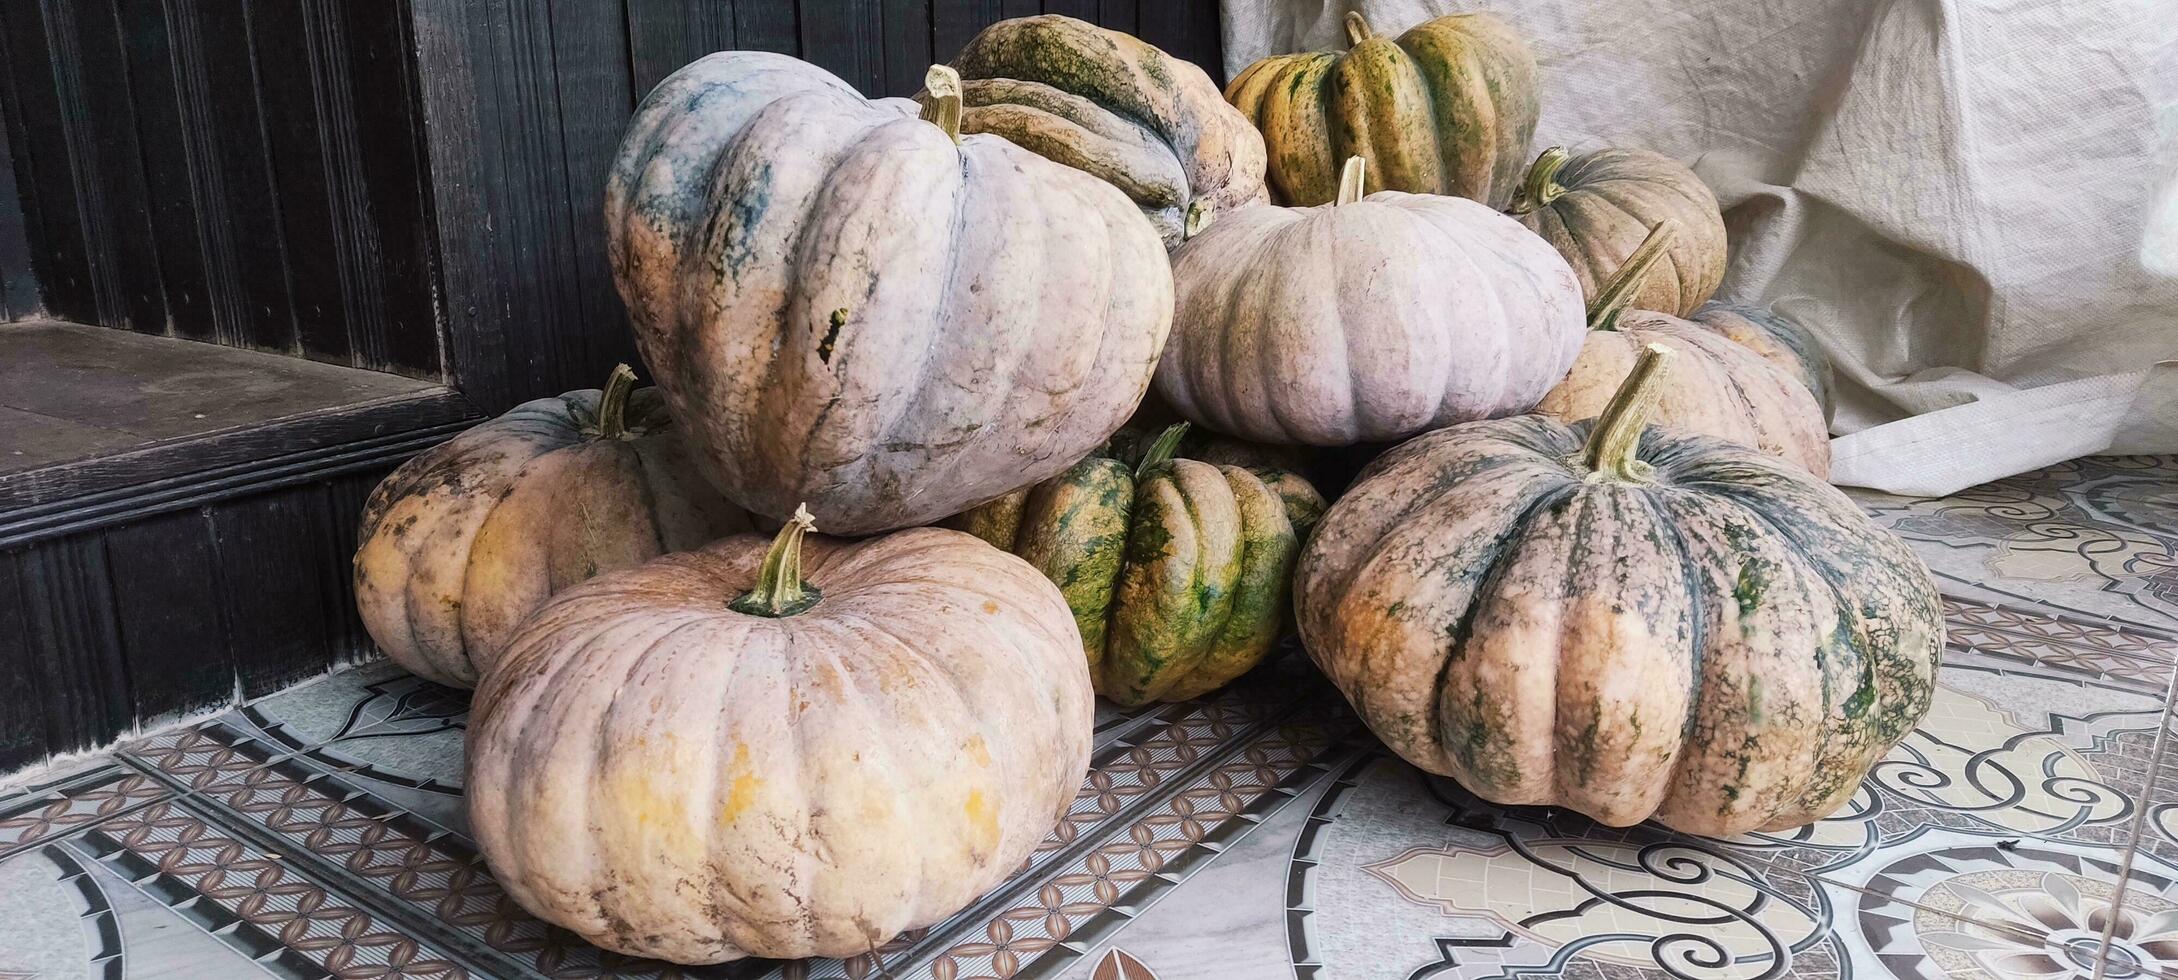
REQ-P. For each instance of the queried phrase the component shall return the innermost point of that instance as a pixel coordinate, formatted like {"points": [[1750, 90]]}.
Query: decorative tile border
{"points": [[2117, 652], [43, 813]]}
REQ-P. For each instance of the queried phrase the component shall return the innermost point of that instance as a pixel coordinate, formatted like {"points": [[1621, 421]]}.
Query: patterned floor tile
{"points": [[2028, 826]]}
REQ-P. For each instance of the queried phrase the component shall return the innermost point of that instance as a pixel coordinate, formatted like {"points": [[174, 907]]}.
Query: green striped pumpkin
{"points": [[1449, 107], [1177, 569], [1633, 626], [1597, 207]]}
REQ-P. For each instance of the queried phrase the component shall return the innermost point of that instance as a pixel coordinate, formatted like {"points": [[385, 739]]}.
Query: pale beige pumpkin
{"points": [[1634, 626], [843, 301], [1718, 388], [781, 749], [1365, 320], [463, 540], [1595, 209]]}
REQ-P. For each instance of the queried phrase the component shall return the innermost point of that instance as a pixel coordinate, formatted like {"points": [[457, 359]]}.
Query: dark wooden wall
{"points": [[249, 174], [18, 287]]}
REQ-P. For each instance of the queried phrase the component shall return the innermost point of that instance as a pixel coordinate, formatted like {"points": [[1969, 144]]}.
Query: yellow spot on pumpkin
{"points": [[984, 818], [978, 751], [742, 794], [990, 607]]}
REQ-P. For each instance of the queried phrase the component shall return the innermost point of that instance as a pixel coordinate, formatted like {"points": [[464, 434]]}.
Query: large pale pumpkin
{"points": [[1687, 630], [1720, 387], [1176, 569], [463, 540], [844, 301], [1366, 320], [1449, 107], [1115, 106], [1595, 209], [1779, 339], [709, 757]]}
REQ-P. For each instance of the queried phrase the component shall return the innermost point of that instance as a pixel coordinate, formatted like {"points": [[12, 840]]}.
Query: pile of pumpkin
{"points": [[1603, 569]]}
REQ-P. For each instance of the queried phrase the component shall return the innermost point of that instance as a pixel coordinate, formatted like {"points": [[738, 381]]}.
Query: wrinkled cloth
{"points": [[1970, 203]]}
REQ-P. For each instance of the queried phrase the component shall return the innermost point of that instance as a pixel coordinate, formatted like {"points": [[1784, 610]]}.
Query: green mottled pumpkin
{"points": [[1177, 569], [1116, 107], [1449, 107], [1779, 339], [1660, 625], [1596, 208]]}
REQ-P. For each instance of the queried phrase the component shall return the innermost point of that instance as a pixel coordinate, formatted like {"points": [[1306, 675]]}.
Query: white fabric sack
{"points": [[1970, 202]]}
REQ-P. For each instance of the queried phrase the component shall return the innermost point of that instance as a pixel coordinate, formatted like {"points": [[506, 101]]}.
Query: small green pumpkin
{"points": [[1596, 208], [1449, 107], [1177, 569]]}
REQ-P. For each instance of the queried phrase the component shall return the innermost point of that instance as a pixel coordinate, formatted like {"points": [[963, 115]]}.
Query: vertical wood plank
{"points": [[213, 40], [59, 250], [22, 723], [342, 516], [167, 600], [286, 45], [663, 35], [164, 142], [1085, 9], [906, 51], [280, 586], [110, 176], [384, 183], [68, 602], [954, 22], [18, 286], [846, 38], [1186, 30], [590, 49], [1119, 15], [768, 25], [1019, 8]]}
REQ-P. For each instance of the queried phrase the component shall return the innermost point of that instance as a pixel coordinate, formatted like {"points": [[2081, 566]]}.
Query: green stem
{"points": [[1357, 28], [1613, 448], [779, 589], [1619, 291], [1161, 448], [612, 405], [1541, 186], [1199, 215], [1353, 180], [942, 108]]}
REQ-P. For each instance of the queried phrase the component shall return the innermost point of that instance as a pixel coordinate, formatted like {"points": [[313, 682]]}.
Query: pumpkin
{"points": [[1720, 387], [1633, 626], [1114, 106], [843, 300], [1779, 339], [1596, 209], [1176, 569], [1449, 107], [463, 540], [710, 756], [1365, 320]]}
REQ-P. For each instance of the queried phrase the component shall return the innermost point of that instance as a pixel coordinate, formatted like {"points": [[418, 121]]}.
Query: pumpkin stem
{"points": [[1199, 215], [612, 405], [942, 108], [1541, 186], [1353, 180], [1357, 28], [1162, 448], [1611, 300], [779, 589], [1613, 445]]}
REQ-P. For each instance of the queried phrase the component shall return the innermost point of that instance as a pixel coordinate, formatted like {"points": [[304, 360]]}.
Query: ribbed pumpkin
{"points": [[1631, 626], [462, 541], [1720, 388], [1365, 320], [1115, 106], [843, 301], [709, 757], [1177, 570], [1449, 107], [1596, 208], [1780, 339]]}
